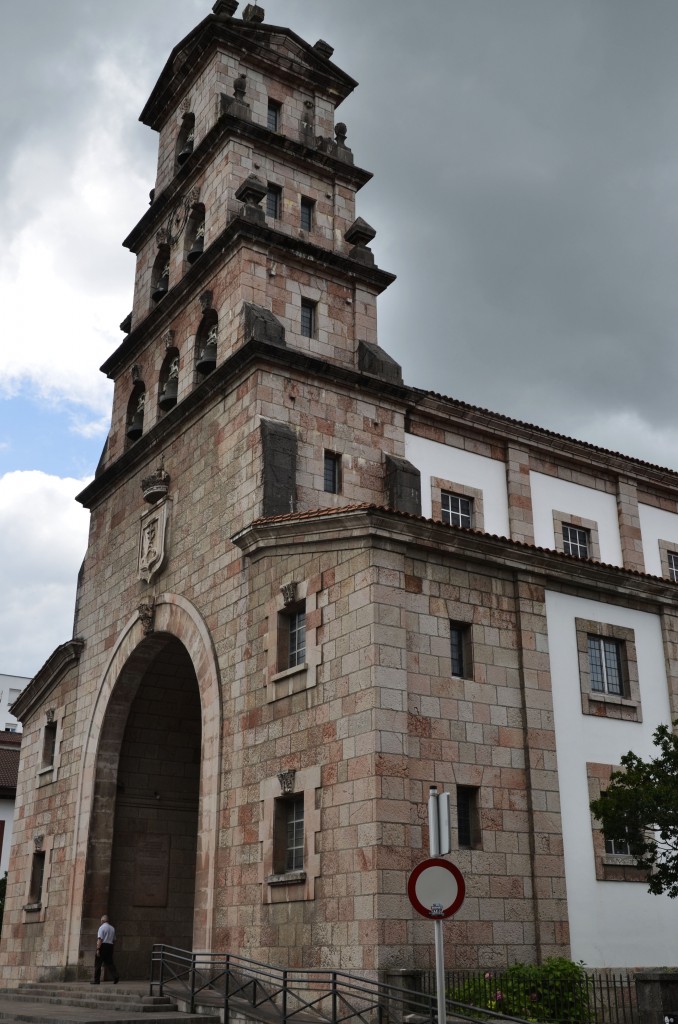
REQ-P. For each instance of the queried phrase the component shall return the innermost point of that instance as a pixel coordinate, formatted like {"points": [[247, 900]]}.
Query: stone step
{"points": [[47, 1003]]}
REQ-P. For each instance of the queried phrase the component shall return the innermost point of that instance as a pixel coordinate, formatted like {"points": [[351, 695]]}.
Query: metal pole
{"points": [[434, 849]]}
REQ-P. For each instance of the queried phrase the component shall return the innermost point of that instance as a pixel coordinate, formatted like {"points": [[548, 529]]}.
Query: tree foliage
{"points": [[640, 807]]}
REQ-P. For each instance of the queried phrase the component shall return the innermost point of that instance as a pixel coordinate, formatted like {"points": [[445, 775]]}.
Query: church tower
{"points": [[208, 737]]}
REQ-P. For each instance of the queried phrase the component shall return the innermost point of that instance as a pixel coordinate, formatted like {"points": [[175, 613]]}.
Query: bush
{"points": [[553, 991]]}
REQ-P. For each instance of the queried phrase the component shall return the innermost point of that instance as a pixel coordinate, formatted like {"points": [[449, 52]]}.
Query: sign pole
{"points": [[435, 845]]}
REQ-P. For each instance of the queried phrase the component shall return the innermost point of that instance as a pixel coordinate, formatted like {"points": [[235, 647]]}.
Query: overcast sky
{"points": [[525, 155]]}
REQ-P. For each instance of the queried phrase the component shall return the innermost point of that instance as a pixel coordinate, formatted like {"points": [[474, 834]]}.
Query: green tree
{"points": [[640, 807]]}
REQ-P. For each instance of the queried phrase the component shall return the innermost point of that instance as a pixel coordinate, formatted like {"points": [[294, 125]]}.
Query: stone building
{"points": [[312, 591]]}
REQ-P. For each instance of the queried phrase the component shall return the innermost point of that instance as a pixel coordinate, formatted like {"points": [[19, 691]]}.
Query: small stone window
{"points": [[288, 834], [49, 744], [576, 541], [457, 504], [468, 817], [37, 878], [308, 318], [460, 650], [613, 860], [668, 554], [294, 651], [274, 116], [292, 637], [332, 473], [306, 214], [456, 509], [274, 202]]}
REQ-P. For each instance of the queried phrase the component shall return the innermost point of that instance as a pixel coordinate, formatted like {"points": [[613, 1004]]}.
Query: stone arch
{"points": [[174, 616]]}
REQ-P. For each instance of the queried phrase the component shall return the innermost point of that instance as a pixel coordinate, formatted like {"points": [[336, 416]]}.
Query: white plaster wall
{"points": [[656, 525], [6, 815], [549, 494], [487, 475], [612, 924]]}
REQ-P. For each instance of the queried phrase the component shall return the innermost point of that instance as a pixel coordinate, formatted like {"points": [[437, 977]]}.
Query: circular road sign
{"points": [[436, 888]]}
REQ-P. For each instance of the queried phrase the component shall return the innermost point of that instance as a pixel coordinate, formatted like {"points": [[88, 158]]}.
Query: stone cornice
{"points": [[224, 379], [188, 56], [283, 246], [369, 525], [228, 125], [43, 683], [448, 413]]}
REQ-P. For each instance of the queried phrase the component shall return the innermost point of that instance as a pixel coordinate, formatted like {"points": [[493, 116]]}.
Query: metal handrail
{"points": [[298, 995]]}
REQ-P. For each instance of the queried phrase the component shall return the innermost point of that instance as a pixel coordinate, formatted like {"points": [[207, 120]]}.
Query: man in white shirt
{"points": [[104, 953]]}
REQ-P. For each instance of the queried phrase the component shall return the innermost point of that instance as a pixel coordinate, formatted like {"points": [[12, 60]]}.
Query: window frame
{"points": [[576, 541], [284, 681], [274, 202], [461, 650], [306, 213], [308, 318], [294, 884], [439, 486], [666, 550], [273, 115], [561, 519], [332, 472], [468, 809], [609, 866], [627, 705]]}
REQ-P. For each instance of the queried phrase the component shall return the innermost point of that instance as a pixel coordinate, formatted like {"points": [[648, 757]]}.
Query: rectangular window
{"points": [[308, 318], [332, 473], [273, 116], [605, 665], [673, 565], [468, 826], [460, 649], [273, 201], [456, 510], [288, 838], [306, 214], [49, 744], [297, 639], [575, 541], [37, 876]]}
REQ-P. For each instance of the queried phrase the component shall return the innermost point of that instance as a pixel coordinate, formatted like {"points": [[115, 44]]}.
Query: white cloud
{"points": [[65, 281], [43, 536]]}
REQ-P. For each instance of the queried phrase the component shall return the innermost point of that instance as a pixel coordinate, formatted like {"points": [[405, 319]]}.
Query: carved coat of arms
{"points": [[153, 540]]}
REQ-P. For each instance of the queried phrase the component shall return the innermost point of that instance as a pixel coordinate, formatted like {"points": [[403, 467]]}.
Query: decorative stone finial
{"points": [[225, 8], [289, 593], [252, 191], [323, 49], [360, 233], [254, 13], [340, 133], [38, 843]]}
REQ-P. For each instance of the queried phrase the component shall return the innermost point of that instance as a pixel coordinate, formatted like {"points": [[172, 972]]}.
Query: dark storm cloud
{"points": [[526, 182]]}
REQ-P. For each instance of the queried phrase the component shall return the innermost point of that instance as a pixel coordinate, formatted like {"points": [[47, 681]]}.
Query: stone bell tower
{"points": [[182, 753]]}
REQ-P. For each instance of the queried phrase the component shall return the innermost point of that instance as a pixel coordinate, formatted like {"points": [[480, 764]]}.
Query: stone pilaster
{"points": [[629, 525], [519, 494]]}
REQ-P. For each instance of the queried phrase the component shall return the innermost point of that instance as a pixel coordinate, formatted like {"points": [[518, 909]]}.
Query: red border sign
{"points": [[439, 910]]}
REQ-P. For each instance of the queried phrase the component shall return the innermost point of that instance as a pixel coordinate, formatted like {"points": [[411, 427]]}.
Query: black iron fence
{"points": [[596, 997], [296, 996]]}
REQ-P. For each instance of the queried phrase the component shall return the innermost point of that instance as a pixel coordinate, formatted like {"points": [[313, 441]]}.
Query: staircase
{"points": [[79, 1003]]}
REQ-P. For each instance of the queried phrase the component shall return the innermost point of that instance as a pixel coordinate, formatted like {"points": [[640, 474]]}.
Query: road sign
{"points": [[436, 888]]}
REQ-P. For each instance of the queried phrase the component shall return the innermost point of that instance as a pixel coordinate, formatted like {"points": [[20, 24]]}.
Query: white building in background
{"points": [[10, 746], [10, 688]]}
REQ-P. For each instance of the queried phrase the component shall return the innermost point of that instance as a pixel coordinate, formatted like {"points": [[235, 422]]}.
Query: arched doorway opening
{"points": [[145, 814]]}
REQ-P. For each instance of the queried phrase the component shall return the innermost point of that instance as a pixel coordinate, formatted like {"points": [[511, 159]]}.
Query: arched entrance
{"points": [[149, 841]]}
